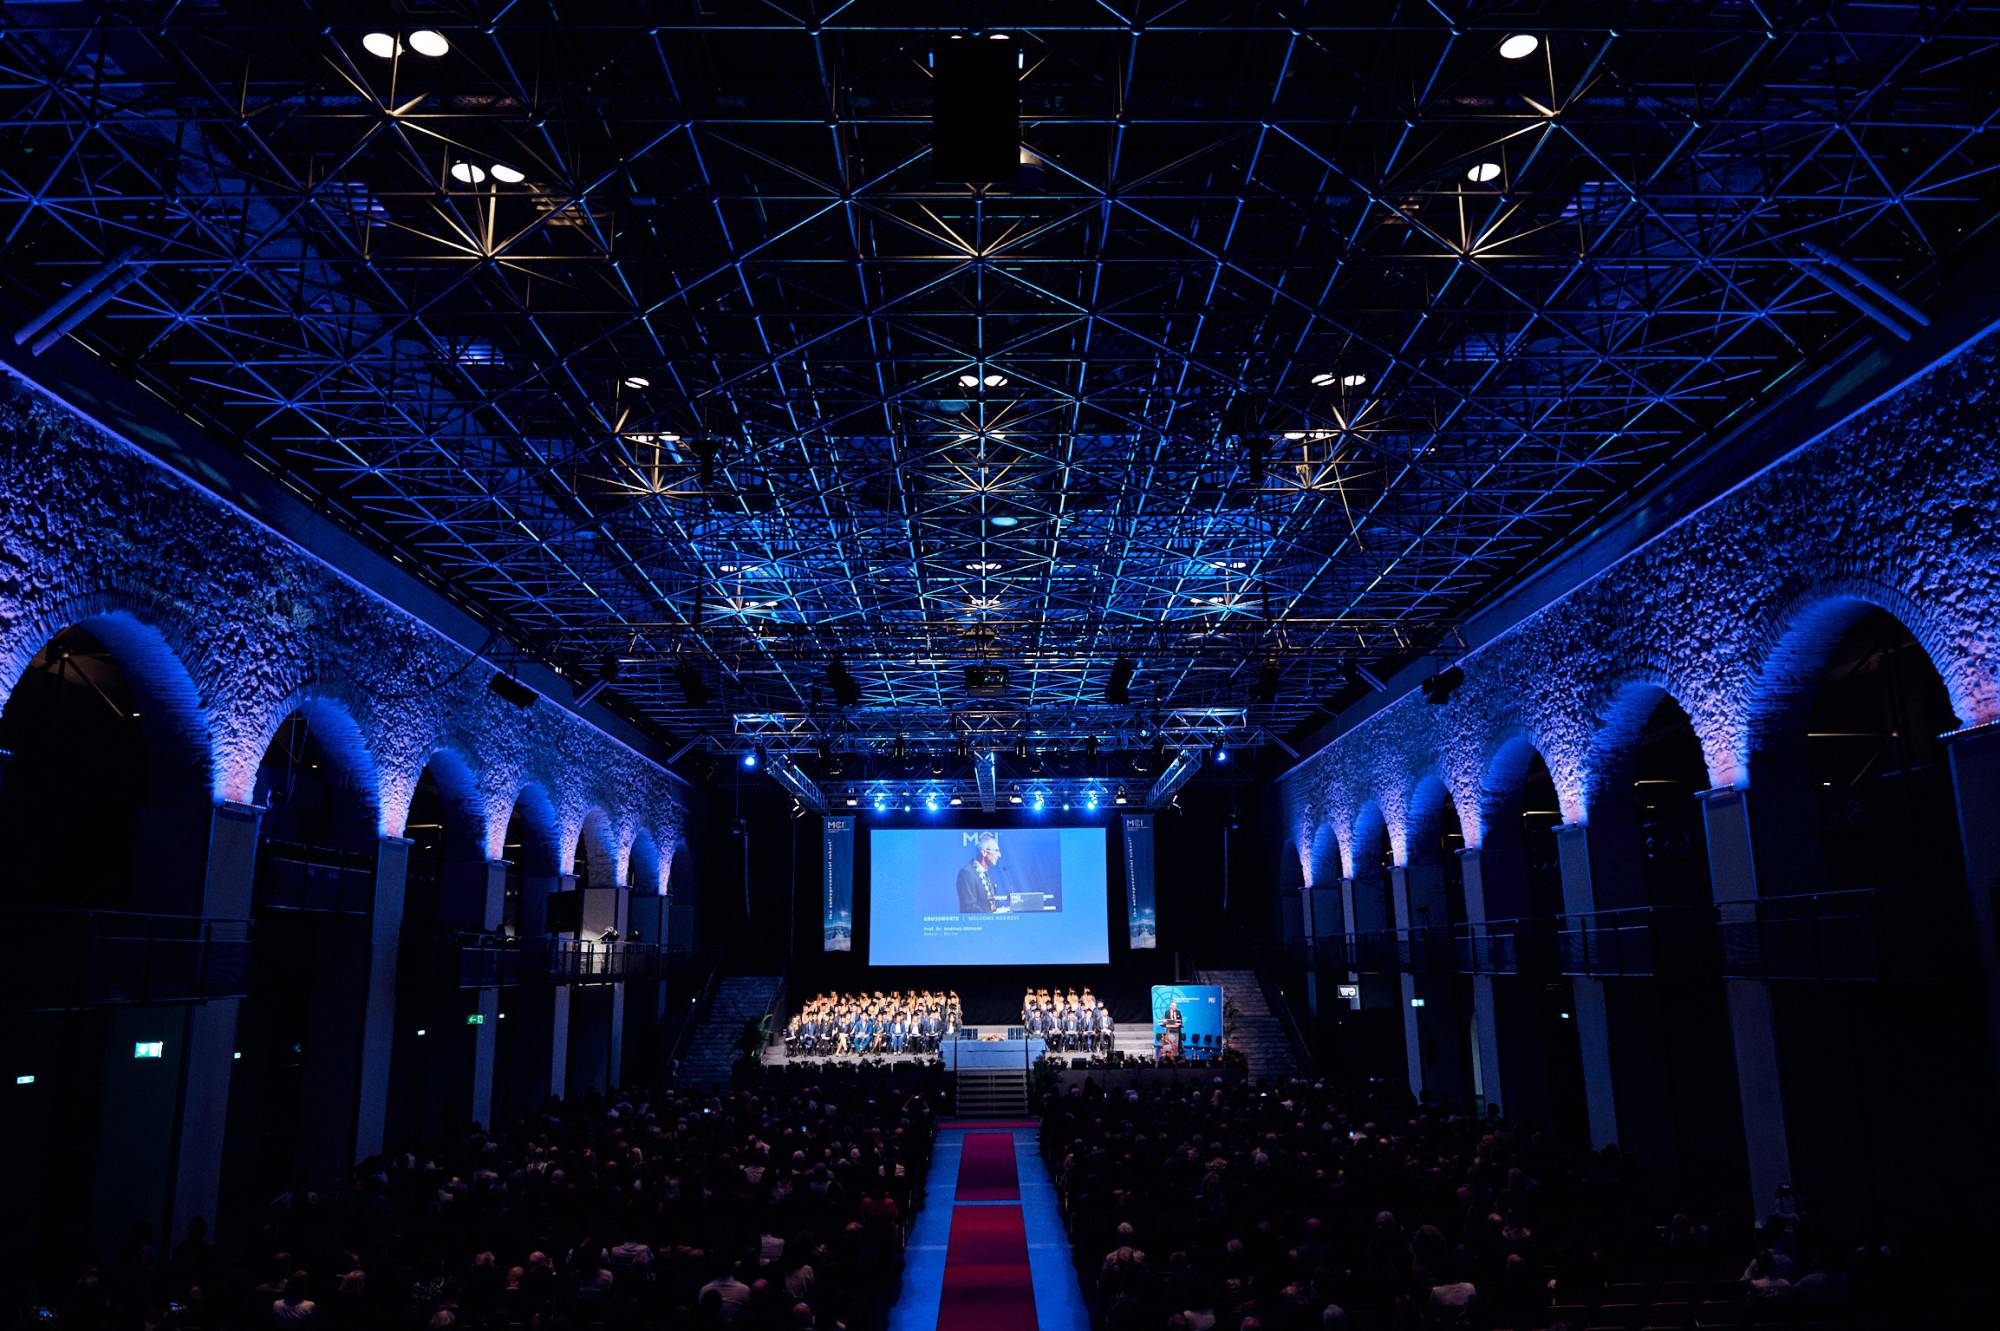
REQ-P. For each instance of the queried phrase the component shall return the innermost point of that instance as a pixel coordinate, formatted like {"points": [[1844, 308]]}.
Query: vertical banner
{"points": [[838, 859], [1139, 879], [1187, 1022]]}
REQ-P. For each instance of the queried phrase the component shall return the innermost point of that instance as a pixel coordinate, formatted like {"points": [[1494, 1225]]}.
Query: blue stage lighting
{"points": [[931, 803], [1038, 801], [750, 757], [1221, 755]]}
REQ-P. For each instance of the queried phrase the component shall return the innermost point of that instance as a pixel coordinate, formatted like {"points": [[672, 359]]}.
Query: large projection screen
{"points": [[987, 897]]}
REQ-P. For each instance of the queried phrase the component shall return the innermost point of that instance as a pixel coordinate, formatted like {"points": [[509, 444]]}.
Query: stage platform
{"points": [[976, 1054]]}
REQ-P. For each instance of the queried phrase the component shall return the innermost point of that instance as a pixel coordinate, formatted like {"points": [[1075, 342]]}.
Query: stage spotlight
{"points": [[465, 173], [1118, 691], [1519, 46], [1439, 687], [1221, 756], [750, 758], [1119, 798], [846, 688], [425, 41], [931, 803], [901, 749], [1020, 750], [1039, 801], [1090, 801], [379, 44], [693, 687]]}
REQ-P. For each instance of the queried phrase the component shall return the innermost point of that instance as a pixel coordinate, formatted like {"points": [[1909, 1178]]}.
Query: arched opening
{"points": [[645, 926], [105, 807], [1851, 774], [599, 918], [1314, 926], [1440, 995], [1673, 1074], [294, 1095], [533, 1018], [1375, 1016], [683, 891], [1520, 869], [444, 900]]}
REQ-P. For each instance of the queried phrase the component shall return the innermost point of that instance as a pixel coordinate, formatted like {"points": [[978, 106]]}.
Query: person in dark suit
{"points": [[975, 881]]}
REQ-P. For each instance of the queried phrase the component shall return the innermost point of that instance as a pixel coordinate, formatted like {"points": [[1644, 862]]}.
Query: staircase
{"points": [[739, 998], [1252, 1027], [991, 1093]]}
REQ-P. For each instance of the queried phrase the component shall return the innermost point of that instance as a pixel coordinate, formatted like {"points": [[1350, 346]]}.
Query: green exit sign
{"points": [[475, 1019]]}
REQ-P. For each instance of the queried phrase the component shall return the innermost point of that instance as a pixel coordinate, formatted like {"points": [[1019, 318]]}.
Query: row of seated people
{"points": [[1068, 1021], [781, 1206], [916, 1022], [1297, 1206]]}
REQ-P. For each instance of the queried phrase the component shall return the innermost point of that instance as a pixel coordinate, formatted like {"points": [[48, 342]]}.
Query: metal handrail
{"points": [[699, 1008], [292, 875], [1274, 999], [71, 960]]}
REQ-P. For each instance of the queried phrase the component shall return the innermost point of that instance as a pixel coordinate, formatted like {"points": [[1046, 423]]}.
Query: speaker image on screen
{"points": [[975, 111]]}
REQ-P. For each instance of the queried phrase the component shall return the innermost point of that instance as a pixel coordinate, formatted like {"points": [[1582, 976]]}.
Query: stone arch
{"points": [[679, 882], [1324, 864], [642, 867], [1291, 869], [1508, 758], [1422, 810], [1622, 717], [1374, 909], [458, 780], [151, 649], [540, 852], [594, 845], [1370, 836], [333, 726], [1805, 635]]}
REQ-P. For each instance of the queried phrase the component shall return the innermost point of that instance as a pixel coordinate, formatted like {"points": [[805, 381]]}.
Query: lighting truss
{"points": [[1304, 330]]}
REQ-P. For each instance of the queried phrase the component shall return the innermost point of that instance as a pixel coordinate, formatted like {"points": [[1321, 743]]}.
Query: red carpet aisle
{"points": [[987, 1286], [987, 1251]]}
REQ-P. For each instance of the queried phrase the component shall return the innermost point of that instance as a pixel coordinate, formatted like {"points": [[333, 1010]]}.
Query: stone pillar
{"points": [[1579, 854], [1975, 780], [539, 1045], [1732, 864], [1485, 1019], [486, 1035], [1413, 1044], [378, 1029], [209, 1042]]}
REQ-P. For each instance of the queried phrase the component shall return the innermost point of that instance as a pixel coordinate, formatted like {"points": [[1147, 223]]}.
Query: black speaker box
{"points": [[975, 111]]}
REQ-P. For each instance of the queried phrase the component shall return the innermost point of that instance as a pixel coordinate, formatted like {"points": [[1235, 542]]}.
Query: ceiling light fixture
{"points": [[1483, 172], [968, 381], [430, 42], [1519, 46], [1323, 378], [507, 175], [1347, 381], [637, 381], [995, 381], [380, 44], [466, 173], [1004, 520]]}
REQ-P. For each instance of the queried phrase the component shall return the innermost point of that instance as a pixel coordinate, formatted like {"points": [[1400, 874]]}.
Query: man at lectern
{"points": [[975, 880], [1170, 1032]]}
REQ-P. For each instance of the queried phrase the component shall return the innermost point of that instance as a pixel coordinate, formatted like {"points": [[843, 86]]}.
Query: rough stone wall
{"points": [[1730, 611], [227, 629]]}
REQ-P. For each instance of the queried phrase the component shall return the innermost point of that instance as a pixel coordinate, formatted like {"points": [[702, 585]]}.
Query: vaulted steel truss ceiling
{"points": [[1305, 328]]}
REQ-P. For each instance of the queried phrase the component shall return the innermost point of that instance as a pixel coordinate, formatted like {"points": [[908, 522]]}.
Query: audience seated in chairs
{"points": [[780, 1205], [873, 1025], [1286, 1206], [1067, 1021]]}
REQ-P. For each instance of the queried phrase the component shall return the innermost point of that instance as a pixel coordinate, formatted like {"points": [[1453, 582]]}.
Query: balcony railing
{"points": [[63, 960], [1863, 934], [294, 876], [468, 960]]}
